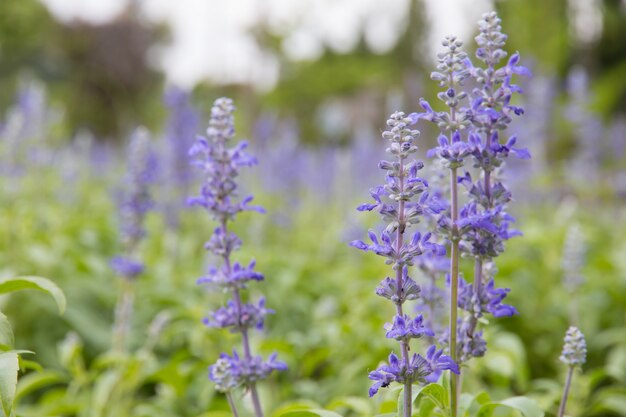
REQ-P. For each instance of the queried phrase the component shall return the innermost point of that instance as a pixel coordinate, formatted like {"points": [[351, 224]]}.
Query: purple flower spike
{"points": [[221, 164], [402, 202]]}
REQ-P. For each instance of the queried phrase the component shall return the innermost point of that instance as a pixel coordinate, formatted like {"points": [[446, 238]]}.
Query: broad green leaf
{"points": [[216, 414], [437, 394], [360, 405], [474, 404], [36, 380], [6, 333], [295, 406], [103, 391], [525, 406], [310, 413], [8, 380], [34, 283], [26, 364]]}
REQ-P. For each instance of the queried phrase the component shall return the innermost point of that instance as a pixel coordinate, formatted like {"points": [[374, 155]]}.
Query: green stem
{"points": [[245, 340], [568, 382], [404, 344], [232, 405], [454, 286], [123, 316]]}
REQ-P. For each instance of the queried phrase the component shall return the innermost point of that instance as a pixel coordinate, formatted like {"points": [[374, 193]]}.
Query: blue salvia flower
{"points": [[134, 203], [402, 202], [221, 163], [25, 131], [230, 372], [487, 299], [182, 126]]}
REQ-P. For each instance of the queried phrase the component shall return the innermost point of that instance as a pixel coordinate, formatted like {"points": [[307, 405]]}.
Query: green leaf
{"points": [[437, 394], [34, 283], [310, 413], [8, 380], [359, 405], [36, 380], [526, 406], [6, 333], [297, 405], [103, 391]]}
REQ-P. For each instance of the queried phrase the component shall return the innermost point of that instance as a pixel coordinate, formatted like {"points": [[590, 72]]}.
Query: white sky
{"points": [[210, 38]]}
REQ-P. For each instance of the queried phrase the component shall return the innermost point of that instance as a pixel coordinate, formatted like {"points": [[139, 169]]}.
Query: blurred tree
{"points": [[108, 81], [539, 29], [99, 73], [359, 80], [26, 29], [609, 55]]}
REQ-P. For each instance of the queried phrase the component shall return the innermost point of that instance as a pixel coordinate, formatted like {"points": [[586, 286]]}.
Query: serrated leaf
{"points": [[34, 283], [8, 380]]}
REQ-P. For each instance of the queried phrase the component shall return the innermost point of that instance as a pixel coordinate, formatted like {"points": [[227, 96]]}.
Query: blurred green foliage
{"points": [[328, 323]]}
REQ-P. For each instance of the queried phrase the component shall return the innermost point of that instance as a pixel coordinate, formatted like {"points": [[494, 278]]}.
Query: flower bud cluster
{"points": [[230, 372], [575, 348]]}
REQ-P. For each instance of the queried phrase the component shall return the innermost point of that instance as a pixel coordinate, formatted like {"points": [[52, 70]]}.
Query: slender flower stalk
{"points": [[450, 74], [135, 202], [401, 202], [574, 354], [218, 195]]}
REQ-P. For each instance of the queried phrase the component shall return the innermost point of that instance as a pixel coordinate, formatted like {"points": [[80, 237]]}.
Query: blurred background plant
{"points": [[311, 80]]}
